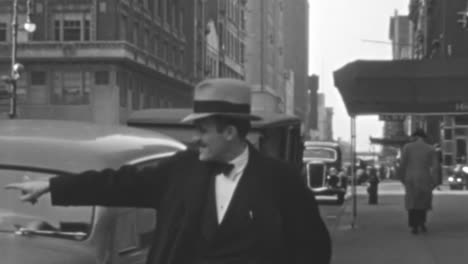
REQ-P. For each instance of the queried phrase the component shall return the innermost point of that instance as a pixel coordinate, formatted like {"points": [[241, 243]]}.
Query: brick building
{"points": [[97, 60]]}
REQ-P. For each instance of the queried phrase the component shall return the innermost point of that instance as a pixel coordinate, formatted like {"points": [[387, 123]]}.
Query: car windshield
{"points": [[320, 153], [42, 217]]}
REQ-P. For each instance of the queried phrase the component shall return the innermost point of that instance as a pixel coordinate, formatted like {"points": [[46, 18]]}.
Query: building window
{"points": [[174, 15], [72, 27], [123, 28], [181, 59], [38, 78], [181, 21], [122, 80], [71, 30], [71, 88], [136, 39], [145, 40], [3, 32], [160, 48], [101, 78], [168, 17], [167, 52], [136, 94], [448, 134], [175, 57], [448, 160], [160, 6]]}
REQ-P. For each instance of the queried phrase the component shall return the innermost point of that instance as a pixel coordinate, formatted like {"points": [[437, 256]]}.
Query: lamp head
{"points": [[17, 70], [29, 26]]}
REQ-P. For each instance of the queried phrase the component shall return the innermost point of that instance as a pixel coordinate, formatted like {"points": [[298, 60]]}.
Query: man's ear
{"points": [[230, 132]]}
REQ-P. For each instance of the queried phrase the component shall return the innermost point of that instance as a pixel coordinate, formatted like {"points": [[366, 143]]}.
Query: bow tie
{"points": [[221, 167]]}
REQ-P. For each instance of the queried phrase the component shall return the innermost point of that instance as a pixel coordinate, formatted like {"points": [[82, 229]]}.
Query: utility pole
{"points": [[14, 76], [16, 68], [262, 43]]}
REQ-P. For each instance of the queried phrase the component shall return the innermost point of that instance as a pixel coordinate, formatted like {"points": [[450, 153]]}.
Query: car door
{"points": [[135, 229]]}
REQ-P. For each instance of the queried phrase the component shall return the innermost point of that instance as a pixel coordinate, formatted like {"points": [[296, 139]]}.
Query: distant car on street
{"points": [[323, 169]]}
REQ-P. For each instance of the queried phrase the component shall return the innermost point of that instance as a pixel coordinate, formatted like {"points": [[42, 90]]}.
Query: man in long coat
{"points": [[418, 167], [254, 210]]}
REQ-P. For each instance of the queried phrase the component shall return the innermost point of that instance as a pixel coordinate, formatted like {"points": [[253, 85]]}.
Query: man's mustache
{"points": [[195, 144]]}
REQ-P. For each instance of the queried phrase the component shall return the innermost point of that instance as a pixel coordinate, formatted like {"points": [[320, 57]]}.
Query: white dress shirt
{"points": [[225, 185]]}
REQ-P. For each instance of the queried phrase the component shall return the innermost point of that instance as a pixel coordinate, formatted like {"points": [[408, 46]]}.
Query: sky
{"points": [[341, 31]]}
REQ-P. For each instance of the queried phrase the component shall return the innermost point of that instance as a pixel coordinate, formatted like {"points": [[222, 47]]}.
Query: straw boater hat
{"points": [[221, 97]]}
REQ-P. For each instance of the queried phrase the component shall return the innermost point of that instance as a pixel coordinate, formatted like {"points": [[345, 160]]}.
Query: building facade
{"points": [[394, 129], [441, 33], [296, 49], [99, 60], [265, 55], [324, 130], [229, 19], [313, 84]]}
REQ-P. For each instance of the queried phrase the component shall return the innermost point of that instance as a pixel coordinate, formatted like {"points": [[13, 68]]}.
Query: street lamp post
{"points": [[17, 68]]}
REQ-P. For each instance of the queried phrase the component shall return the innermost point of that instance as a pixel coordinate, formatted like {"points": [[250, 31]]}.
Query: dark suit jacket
{"points": [[286, 215]]}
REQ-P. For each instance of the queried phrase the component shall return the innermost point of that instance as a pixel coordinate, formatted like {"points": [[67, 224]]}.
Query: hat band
{"points": [[220, 107]]}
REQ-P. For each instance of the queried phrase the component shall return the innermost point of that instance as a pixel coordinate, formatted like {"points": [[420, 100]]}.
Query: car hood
{"points": [[15, 249]]}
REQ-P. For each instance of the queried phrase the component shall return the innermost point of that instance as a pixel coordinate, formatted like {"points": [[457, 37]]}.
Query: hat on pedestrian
{"points": [[419, 132], [222, 97]]}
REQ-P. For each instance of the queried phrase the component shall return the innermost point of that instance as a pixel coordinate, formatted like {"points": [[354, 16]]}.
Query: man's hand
{"points": [[31, 190]]}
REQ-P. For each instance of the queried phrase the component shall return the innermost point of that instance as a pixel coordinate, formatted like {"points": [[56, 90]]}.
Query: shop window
{"points": [[71, 88], [38, 78], [101, 78], [460, 131], [461, 119], [461, 148]]}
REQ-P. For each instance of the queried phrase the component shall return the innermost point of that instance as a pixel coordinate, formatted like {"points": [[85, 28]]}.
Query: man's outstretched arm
{"points": [[126, 187]]}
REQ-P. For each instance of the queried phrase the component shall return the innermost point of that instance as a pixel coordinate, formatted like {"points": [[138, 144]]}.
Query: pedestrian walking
{"points": [[418, 172], [373, 187], [223, 203], [439, 169]]}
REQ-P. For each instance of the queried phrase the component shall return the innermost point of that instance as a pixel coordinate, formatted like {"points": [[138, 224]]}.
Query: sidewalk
{"points": [[382, 236]]}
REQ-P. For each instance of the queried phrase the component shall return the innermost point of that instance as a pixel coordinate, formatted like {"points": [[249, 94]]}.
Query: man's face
{"points": [[212, 144]]}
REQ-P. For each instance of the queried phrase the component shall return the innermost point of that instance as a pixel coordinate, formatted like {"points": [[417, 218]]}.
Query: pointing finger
{"points": [[13, 186]]}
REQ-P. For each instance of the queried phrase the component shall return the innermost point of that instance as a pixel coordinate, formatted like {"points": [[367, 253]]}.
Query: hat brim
{"points": [[196, 116]]}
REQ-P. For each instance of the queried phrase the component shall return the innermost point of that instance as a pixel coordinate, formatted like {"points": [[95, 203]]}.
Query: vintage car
{"points": [[41, 233], [323, 169], [277, 135], [458, 178]]}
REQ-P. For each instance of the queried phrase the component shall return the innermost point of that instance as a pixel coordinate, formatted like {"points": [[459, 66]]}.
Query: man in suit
{"points": [[225, 203], [418, 172]]}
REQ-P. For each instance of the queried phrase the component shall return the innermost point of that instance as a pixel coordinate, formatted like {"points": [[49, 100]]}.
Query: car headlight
{"points": [[459, 180], [465, 169], [450, 179]]}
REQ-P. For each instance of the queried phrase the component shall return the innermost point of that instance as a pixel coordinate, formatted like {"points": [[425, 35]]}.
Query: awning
{"points": [[429, 87]]}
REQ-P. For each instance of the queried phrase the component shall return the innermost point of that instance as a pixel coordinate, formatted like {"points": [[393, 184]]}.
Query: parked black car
{"points": [[323, 169]]}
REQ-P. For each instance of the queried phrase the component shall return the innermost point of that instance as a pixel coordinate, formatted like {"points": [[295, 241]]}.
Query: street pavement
{"points": [[381, 235]]}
